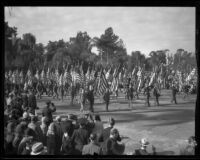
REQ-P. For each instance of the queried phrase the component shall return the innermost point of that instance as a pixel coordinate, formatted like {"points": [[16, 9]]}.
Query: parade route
{"points": [[166, 126]]}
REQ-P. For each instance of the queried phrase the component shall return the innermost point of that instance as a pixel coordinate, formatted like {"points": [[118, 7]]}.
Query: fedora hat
{"points": [[37, 149]]}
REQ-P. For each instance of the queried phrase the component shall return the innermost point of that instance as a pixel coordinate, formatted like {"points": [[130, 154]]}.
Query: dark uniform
{"points": [[73, 93], [147, 92], [174, 92], [39, 89], [157, 95], [130, 95], [106, 98], [90, 96], [55, 91]]}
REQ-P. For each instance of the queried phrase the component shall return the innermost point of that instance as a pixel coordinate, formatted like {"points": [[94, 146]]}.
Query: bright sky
{"points": [[141, 28]]}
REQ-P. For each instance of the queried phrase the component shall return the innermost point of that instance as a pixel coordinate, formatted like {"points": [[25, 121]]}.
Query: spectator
{"points": [[51, 139], [36, 128], [67, 125], [80, 137], [98, 126], [44, 129], [111, 146], [59, 134], [19, 133], [92, 148], [38, 149], [106, 132], [143, 149], [189, 149], [67, 147], [26, 143], [32, 104], [47, 112], [26, 117], [10, 137]]}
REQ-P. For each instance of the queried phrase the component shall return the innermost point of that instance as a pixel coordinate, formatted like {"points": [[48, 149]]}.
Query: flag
{"points": [[102, 84]]}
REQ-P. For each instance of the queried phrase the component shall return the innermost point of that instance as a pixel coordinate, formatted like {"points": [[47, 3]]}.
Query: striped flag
{"points": [[102, 84]]}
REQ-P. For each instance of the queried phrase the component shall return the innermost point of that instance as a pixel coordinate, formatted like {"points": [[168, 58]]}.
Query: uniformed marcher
{"points": [[156, 94], [106, 98], [174, 92], [39, 89], [147, 92], [55, 91], [90, 96], [82, 99], [130, 95], [73, 93]]}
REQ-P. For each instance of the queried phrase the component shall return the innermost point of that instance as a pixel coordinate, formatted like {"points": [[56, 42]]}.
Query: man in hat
{"points": [[39, 89], [147, 92], [47, 112], [106, 97], [80, 137], [111, 146], [92, 148], [38, 149], [174, 92], [143, 149], [156, 94]]}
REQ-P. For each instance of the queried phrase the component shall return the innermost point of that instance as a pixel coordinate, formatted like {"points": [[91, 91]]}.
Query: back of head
{"points": [[34, 119], [97, 118], [111, 121], [93, 136]]}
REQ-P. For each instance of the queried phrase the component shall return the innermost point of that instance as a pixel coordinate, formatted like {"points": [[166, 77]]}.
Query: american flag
{"points": [[102, 84]]}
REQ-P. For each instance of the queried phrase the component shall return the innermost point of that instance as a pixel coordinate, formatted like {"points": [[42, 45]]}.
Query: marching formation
{"points": [[101, 82]]}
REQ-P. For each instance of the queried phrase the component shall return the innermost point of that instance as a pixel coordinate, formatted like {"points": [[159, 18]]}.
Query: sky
{"points": [[142, 29]]}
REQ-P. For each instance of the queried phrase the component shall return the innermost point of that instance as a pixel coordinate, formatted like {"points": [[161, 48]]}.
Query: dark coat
{"points": [[59, 135], [106, 96], [105, 134], [90, 95], [67, 147], [79, 139], [51, 144], [111, 147], [91, 149], [47, 112], [32, 101], [68, 127]]}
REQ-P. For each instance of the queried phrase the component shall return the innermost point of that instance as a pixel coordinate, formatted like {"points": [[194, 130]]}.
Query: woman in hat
{"points": [[51, 139], [143, 149], [38, 149]]}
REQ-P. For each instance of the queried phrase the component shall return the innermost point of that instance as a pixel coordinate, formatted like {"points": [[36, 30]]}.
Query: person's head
{"points": [[90, 87], [82, 122], [48, 103], [97, 118], [29, 133], [114, 133], [93, 137], [34, 119], [38, 149], [111, 122], [144, 143], [191, 141], [58, 118], [25, 115]]}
